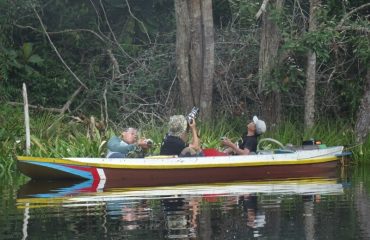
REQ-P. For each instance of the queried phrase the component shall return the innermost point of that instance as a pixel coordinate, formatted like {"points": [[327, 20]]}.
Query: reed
{"points": [[11, 137], [329, 132], [361, 153], [211, 132], [53, 136]]}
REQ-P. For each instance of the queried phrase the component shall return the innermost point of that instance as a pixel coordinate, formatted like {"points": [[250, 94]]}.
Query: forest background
{"points": [[93, 67]]}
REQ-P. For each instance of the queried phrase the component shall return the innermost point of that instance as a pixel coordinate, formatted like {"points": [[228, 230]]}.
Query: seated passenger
{"points": [[249, 144], [175, 142], [120, 147]]}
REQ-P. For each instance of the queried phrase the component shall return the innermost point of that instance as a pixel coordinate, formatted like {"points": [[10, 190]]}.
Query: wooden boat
{"points": [[172, 170]]}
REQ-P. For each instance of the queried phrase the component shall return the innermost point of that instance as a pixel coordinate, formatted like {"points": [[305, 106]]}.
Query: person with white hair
{"points": [[249, 144], [175, 141], [120, 147]]}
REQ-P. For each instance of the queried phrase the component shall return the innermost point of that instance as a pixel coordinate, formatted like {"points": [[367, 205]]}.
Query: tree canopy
{"points": [[122, 53]]}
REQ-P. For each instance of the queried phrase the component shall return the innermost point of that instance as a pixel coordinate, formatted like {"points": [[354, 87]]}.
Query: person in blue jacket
{"points": [[120, 147]]}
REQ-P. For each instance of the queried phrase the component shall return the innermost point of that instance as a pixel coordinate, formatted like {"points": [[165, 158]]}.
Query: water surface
{"points": [[337, 208]]}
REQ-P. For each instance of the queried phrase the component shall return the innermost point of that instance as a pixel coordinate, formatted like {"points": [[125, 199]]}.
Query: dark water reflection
{"points": [[292, 209]]}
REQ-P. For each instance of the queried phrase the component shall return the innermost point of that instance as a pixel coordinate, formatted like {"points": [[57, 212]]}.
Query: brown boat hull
{"points": [[155, 177], [125, 177]]}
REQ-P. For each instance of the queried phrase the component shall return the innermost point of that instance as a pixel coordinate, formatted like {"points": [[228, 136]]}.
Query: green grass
{"points": [[52, 136]]}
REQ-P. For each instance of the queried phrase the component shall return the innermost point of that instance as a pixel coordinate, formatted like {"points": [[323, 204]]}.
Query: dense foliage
{"points": [[123, 54], [126, 48]]}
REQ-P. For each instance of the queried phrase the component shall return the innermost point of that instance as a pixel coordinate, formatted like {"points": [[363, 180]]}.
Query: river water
{"points": [[336, 208]]}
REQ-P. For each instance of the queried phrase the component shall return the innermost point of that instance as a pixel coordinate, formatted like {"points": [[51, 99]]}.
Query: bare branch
{"points": [[115, 64], [114, 35], [353, 28], [99, 21], [106, 119], [70, 100], [25, 27], [345, 17], [61, 111], [142, 24], [169, 91], [56, 50], [65, 31], [57, 110], [262, 9]]}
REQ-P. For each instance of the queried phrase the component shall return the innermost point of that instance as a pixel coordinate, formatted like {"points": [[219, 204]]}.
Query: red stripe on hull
{"points": [[41, 172], [95, 175]]}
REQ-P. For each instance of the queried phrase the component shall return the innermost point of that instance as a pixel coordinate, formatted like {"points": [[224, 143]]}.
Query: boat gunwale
{"points": [[188, 163]]}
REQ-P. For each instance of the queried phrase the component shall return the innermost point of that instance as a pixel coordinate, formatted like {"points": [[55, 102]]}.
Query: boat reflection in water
{"points": [[176, 211]]}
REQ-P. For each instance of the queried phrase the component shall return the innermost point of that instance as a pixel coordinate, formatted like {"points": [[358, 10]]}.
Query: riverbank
{"points": [[55, 136]]}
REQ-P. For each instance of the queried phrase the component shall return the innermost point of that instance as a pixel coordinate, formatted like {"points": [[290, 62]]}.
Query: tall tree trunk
{"points": [[271, 108], [309, 100], [195, 54], [362, 126], [196, 49], [209, 60], [182, 51], [269, 46]]}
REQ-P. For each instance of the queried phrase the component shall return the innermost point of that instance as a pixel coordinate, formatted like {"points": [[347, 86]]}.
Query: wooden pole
{"points": [[26, 119]]}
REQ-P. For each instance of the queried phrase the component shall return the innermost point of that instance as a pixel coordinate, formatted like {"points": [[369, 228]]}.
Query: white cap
{"points": [[260, 125]]}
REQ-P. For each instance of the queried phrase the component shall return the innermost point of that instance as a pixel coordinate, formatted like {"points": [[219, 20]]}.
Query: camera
{"points": [[149, 142], [192, 115]]}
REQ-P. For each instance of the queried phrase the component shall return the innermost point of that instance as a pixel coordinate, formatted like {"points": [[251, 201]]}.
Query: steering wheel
{"points": [[269, 140]]}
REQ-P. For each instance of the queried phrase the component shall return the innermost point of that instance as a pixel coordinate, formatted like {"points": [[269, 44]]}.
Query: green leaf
{"points": [[35, 59], [27, 51]]}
